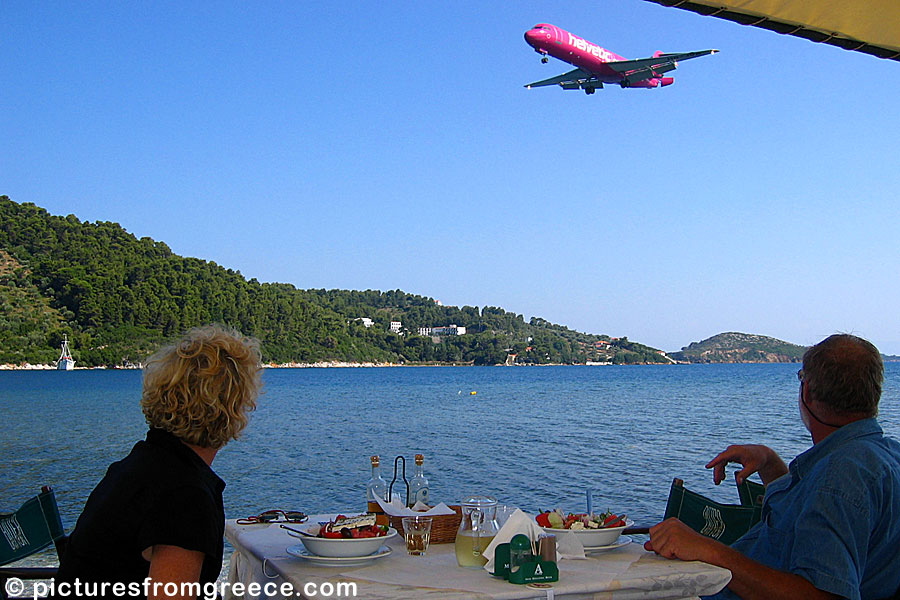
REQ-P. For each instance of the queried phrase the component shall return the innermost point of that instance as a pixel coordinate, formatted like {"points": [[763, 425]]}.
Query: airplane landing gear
{"points": [[589, 90], [544, 60]]}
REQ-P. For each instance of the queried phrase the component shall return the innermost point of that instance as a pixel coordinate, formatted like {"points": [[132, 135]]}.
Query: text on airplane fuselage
{"points": [[586, 46]]}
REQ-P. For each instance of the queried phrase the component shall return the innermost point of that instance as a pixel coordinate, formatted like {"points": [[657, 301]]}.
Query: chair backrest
{"points": [[723, 522], [751, 493], [30, 529]]}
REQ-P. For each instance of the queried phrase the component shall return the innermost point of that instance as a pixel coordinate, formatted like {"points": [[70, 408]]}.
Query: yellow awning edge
{"points": [[868, 26]]}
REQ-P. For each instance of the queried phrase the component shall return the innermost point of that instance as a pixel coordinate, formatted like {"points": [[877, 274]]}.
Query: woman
{"points": [[158, 512]]}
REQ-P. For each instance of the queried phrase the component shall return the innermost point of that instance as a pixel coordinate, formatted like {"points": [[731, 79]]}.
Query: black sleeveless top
{"points": [[161, 493]]}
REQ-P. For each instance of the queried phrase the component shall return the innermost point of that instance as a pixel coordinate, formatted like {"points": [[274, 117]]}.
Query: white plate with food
{"points": [[300, 551]]}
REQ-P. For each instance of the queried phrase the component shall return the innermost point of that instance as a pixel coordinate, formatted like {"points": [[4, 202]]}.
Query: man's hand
{"points": [[754, 458], [674, 539]]}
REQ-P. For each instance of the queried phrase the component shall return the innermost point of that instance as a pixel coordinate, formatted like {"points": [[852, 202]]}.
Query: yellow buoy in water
{"points": [[472, 393]]}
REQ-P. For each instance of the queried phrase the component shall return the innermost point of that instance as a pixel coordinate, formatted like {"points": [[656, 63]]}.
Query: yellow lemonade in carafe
{"points": [[469, 549]]}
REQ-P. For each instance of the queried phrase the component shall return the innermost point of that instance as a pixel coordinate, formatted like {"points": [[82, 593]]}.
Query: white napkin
{"points": [[567, 545], [399, 509]]}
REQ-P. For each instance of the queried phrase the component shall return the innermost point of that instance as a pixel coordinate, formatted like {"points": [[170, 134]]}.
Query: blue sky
{"points": [[393, 146]]}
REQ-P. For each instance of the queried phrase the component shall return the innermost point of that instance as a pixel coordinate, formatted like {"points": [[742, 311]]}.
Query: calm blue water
{"points": [[535, 437]]}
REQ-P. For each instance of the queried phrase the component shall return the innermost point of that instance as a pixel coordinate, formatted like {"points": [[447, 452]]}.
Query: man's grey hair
{"points": [[845, 372]]}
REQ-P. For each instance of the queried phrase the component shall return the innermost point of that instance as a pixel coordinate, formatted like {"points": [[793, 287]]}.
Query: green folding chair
{"points": [[29, 530], [723, 522], [751, 493]]}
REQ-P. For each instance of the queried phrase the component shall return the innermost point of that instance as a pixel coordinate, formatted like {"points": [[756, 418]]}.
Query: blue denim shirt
{"points": [[834, 518]]}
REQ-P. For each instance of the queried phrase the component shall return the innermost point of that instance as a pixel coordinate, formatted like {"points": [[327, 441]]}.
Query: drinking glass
{"points": [[417, 531], [504, 512]]}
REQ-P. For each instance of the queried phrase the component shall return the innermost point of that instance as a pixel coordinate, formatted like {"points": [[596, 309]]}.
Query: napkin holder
{"points": [[501, 561], [534, 571]]}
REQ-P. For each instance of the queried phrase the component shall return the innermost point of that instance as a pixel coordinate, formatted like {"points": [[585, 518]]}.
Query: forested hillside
{"points": [[118, 298]]}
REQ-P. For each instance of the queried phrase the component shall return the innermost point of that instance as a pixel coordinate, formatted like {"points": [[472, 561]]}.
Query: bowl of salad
{"points": [[345, 536], [592, 530]]}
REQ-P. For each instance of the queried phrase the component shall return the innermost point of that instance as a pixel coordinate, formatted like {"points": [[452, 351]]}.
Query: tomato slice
{"points": [[614, 521]]}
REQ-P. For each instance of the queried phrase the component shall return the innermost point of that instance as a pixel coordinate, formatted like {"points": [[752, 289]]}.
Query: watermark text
{"points": [[159, 589]]}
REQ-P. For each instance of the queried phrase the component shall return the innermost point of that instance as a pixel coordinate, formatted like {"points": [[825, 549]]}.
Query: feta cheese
{"points": [[353, 522]]}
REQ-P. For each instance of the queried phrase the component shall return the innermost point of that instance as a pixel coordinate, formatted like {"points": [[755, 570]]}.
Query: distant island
{"points": [[733, 347]]}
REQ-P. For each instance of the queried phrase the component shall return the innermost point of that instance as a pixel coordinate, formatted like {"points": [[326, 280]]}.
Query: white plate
{"points": [[300, 551], [623, 540]]}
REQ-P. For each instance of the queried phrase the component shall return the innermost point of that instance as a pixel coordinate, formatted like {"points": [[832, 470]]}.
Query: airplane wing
{"points": [[646, 68], [577, 75]]}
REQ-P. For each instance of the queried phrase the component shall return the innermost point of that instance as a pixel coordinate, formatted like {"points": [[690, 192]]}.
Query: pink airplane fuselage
{"points": [[559, 43]]}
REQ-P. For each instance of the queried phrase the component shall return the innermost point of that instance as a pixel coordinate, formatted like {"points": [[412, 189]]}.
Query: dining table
{"points": [[270, 563]]}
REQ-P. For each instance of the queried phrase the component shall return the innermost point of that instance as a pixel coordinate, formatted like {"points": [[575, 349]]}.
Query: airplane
{"points": [[596, 65]]}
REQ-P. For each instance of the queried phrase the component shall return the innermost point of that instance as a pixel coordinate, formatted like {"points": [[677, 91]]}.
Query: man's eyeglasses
{"points": [[275, 516]]}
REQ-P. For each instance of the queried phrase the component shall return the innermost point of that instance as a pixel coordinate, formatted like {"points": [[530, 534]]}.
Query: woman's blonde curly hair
{"points": [[202, 388]]}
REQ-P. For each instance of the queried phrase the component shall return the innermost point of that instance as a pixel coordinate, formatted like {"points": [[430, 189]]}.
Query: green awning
{"points": [[869, 26]]}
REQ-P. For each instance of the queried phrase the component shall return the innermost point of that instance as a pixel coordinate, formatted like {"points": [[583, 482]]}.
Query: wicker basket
{"points": [[443, 527]]}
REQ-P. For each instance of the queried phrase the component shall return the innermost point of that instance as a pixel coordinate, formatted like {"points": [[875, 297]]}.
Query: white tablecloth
{"points": [[626, 573]]}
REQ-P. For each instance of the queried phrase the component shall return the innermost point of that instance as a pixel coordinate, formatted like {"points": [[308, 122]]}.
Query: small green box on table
{"points": [[524, 567]]}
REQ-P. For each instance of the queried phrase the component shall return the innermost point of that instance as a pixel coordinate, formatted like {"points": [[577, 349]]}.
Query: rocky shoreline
{"points": [[331, 364], [291, 365], [31, 367]]}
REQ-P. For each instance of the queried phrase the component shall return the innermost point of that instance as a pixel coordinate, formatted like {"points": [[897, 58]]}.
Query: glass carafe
{"points": [[476, 530]]}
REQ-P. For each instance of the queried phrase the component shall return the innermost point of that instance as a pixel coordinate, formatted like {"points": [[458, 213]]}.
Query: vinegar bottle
{"points": [[376, 485], [418, 485]]}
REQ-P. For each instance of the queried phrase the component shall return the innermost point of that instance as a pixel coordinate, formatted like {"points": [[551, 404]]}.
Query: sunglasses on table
{"points": [[275, 516]]}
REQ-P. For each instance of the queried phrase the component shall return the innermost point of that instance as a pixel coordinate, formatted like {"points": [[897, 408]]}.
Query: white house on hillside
{"points": [[448, 330]]}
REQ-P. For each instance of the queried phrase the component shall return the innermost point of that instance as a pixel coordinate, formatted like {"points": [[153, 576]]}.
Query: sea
{"points": [[536, 438]]}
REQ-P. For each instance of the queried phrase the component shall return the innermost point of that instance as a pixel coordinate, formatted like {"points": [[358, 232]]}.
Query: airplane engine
{"points": [[649, 83]]}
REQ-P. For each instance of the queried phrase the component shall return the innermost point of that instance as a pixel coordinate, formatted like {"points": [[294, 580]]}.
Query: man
{"points": [[830, 523]]}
